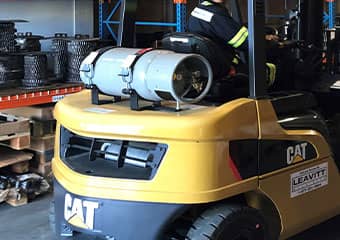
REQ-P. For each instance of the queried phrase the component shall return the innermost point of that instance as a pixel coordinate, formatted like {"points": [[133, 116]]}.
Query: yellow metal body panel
{"points": [[308, 209], [117, 121], [195, 168]]}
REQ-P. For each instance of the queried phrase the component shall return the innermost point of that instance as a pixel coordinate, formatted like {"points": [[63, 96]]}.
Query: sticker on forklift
{"points": [[57, 98], [182, 40], [99, 110], [308, 180], [192, 107]]}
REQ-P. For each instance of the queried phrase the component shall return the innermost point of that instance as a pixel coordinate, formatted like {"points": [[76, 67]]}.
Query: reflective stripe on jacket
{"points": [[214, 21]]}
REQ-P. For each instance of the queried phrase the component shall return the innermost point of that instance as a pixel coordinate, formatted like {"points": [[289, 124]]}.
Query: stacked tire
{"points": [[59, 52], [78, 49], [11, 63], [7, 37], [35, 65]]}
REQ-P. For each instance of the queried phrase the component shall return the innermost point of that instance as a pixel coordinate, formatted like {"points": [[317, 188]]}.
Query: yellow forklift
{"points": [[154, 150]]}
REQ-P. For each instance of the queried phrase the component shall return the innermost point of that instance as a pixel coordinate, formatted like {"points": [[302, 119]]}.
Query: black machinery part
{"points": [[7, 37], [11, 69], [27, 42], [35, 66], [78, 49], [59, 52]]}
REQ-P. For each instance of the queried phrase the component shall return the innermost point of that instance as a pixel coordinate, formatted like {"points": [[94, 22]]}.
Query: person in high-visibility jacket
{"points": [[212, 19]]}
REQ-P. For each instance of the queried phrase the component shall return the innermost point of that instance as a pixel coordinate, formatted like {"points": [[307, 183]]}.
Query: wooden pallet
{"points": [[10, 124], [21, 167], [41, 162], [40, 128], [41, 157], [44, 169], [9, 157], [17, 141], [41, 112], [42, 144], [14, 131]]}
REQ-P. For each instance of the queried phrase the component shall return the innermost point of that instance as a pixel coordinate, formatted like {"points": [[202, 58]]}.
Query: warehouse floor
{"points": [[30, 222]]}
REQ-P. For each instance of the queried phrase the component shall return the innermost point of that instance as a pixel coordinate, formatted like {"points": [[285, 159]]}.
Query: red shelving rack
{"points": [[13, 98]]}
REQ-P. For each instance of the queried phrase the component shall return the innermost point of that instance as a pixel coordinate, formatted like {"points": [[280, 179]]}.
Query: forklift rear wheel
{"points": [[229, 222]]}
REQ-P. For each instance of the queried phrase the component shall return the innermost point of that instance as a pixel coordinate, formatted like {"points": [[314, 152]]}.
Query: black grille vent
{"points": [[110, 158]]}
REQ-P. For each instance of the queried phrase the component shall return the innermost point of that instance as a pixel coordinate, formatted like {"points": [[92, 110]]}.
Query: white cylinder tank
{"points": [[155, 75]]}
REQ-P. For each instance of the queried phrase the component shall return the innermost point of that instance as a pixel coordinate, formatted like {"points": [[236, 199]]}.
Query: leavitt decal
{"points": [[308, 180]]}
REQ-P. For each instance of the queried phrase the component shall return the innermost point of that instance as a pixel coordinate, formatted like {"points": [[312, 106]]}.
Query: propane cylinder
{"points": [[155, 75]]}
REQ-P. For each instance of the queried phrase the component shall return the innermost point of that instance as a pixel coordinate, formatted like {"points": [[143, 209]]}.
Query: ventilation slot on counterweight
{"points": [[111, 158]]}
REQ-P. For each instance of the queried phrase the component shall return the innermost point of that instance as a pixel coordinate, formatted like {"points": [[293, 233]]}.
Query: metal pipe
{"points": [[299, 22], [164, 24], [257, 69], [126, 29], [130, 161], [311, 20]]}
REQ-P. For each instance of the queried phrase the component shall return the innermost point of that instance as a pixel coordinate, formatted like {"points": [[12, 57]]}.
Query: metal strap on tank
{"points": [[128, 64], [89, 62], [100, 52]]}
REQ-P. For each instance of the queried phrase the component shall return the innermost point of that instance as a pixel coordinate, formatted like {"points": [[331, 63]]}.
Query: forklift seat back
{"points": [[220, 58], [298, 110]]}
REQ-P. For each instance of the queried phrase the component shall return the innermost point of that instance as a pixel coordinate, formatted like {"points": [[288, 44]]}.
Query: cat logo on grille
{"points": [[80, 213]]}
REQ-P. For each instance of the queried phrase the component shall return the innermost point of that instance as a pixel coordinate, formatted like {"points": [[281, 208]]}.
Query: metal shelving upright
{"points": [[106, 22], [329, 17]]}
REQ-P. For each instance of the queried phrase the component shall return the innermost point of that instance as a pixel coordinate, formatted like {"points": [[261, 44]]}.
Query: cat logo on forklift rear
{"points": [[296, 153], [80, 213]]}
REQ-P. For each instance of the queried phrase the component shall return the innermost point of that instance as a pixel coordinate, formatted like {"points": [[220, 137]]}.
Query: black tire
{"points": [[229, 222]]}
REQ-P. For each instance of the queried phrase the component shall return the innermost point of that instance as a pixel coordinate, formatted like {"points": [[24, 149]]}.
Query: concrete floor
{"points": [[30, 222], [328, 230]]}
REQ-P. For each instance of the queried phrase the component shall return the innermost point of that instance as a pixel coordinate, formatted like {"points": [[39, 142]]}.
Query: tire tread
{"points": [[206, 226]]}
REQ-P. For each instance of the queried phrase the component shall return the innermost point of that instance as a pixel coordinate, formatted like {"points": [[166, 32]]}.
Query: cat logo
{"points": [[79, 213], [296, 153]]}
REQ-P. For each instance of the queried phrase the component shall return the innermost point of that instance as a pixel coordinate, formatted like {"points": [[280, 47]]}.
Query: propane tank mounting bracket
{"points": [[134, 98], [134, 101], [95, 100]]}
